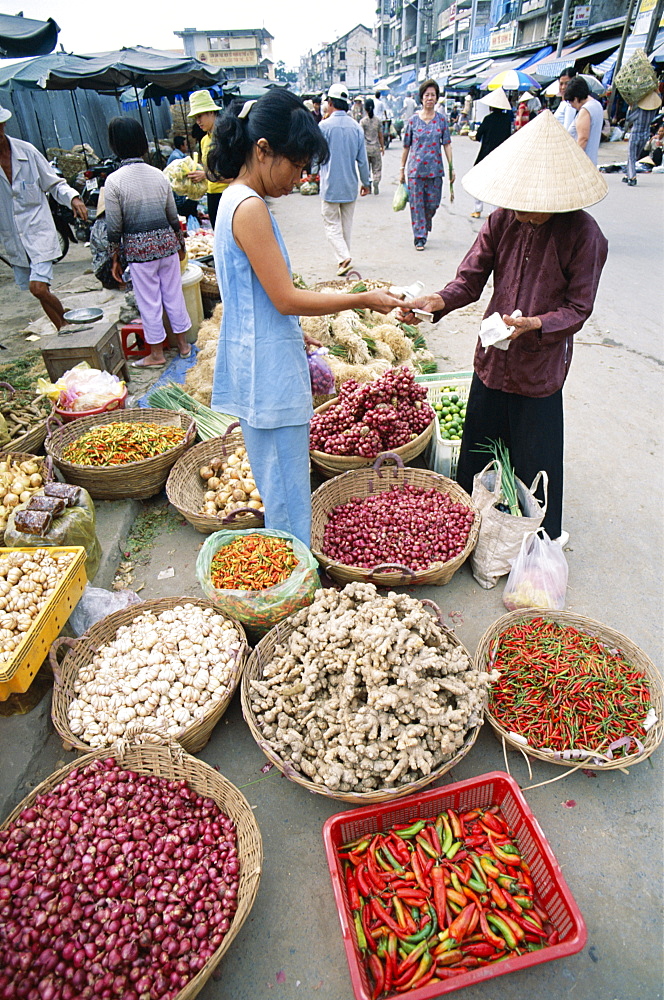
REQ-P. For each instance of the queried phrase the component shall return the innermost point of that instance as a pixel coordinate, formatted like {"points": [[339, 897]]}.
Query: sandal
{"points": [[142, 364], [476, 215], [344, 267], [185, 356]]}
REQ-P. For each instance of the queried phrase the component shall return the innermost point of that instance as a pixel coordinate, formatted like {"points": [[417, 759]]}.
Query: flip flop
{"points": [[344, 267], [141, 364], [185, 356]]}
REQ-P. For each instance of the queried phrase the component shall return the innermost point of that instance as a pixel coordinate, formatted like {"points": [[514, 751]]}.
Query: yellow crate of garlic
{"points": [[39, 589]]}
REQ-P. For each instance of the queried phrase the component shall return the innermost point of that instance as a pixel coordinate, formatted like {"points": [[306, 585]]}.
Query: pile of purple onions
{"points": [[114, 885], [374, 417], [407, 525]]}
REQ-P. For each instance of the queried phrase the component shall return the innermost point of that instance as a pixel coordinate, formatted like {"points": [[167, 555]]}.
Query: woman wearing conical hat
{"points": [[546, 256]]}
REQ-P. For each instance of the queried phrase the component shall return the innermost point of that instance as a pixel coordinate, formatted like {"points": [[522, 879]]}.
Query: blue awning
{"points": [[542, 54]]}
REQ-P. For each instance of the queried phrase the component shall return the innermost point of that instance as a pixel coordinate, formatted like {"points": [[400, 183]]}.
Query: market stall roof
{"points": [[251, 88], [608, 45], [33, 72], [21, 36], [137, 66]]}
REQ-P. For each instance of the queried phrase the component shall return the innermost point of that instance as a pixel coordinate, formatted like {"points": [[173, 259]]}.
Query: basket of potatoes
{"points": [[21, 475], [212, 485]]}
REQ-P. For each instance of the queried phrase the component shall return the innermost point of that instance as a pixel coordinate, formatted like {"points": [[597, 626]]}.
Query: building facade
{"points": [[436, 37], [240, 53], [350, 59]]}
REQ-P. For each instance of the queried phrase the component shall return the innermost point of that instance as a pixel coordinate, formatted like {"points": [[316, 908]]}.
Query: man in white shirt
{"points": [[565, 113], [380, 108], [339, 176], [409, 107], [27, 232]]}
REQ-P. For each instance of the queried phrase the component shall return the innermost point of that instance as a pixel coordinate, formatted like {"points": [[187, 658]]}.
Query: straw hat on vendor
{"points": [[651, 102], [546, 258], [205, 113], [539, 169]]}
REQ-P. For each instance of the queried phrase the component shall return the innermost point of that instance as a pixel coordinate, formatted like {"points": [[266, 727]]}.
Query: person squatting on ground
{"points": [[425, 133], [373, 137], [338, 175], [261, 372], [143, 226], [27, 231], [546, 257]]}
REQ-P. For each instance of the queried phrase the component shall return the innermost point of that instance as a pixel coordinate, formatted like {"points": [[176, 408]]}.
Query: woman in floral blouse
{"points": [[426, 132]]}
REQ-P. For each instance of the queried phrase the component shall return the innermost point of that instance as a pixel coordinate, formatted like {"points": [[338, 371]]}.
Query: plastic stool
{"points": [[136, 348]]}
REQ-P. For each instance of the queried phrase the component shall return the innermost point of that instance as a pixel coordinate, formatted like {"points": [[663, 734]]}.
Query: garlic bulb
{"points": [[161, 672]]}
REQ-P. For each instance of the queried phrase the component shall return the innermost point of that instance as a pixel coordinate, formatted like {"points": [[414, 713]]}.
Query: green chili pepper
{"points": [[412, 831]]}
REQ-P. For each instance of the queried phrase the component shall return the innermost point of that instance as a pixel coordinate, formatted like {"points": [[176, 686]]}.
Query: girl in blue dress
{"points": [[261, 371]]}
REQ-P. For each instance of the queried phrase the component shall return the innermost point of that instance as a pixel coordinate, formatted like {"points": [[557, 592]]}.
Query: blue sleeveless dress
{"points": [[261, 372], [262, 376]]}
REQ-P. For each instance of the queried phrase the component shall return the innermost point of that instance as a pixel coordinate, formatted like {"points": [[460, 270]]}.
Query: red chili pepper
{"points": [[460, 925], [455, 823], [351, 889], [492, 938], [378, 973], [439, 894], [361, 882], [382, 914], [480, 950]]}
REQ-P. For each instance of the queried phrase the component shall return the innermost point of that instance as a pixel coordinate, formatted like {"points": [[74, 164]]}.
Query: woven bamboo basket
{"points": [[613, 640], [365, 482], [33, 439], [80, 652], [346, 284], [185, 489], [334, 465], [137, 480], [261, 655], [171, 763]]}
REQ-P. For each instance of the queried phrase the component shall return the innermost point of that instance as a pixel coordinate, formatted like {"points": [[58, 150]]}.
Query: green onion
{"points": [[208, 423], [501, 457]]}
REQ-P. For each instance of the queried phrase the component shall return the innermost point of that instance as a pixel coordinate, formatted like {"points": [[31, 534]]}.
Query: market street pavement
{"points": [[605, 829]]}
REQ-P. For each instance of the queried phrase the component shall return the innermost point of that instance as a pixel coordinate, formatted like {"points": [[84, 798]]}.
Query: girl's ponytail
{"points": [[231, 143]]}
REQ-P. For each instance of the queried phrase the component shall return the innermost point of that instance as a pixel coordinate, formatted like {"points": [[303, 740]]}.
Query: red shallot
{"points": [[114, 884], [374, 417], [407, 525]]}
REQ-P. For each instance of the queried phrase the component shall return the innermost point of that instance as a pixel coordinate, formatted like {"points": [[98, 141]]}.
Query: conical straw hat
{"points": [[497, 99], [538, 169]]}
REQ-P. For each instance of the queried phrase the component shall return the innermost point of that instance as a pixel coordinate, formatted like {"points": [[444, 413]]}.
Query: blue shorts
{"points": [[40, 271]]}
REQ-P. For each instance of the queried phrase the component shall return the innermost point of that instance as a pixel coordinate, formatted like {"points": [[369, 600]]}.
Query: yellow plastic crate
{"points": [[442, 455], [18, 672]]}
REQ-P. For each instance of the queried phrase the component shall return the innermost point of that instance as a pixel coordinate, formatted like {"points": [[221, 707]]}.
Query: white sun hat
{"points": [[538, 169], [497, 99], [5, 114]]}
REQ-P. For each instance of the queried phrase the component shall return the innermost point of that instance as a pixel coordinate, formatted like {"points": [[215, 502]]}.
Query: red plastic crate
{"points": [[495, 788]]}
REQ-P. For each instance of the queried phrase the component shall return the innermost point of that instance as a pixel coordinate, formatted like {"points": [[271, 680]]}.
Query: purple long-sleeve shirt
{"points": [[551, 271]]}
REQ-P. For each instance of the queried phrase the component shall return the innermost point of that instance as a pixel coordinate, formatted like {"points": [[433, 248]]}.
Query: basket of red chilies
{"points": [[446, 889], [392, 526]]}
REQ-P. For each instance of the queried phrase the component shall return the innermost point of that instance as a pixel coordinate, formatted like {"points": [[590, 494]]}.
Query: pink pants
{"points": [[158, 286]]}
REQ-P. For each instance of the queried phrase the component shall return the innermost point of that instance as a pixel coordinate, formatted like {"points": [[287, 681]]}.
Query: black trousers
{"points": [[532, 428], [213, 206]]}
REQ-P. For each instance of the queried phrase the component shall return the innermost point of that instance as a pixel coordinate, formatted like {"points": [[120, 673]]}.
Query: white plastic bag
{"points": [[96, 604], [82, 388], [538, 578]]}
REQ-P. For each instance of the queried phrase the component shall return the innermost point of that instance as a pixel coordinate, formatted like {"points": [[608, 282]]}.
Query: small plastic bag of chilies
{"points": [[400, 199], [74, 526], [538, 578], [322, 377], [177, 173], [259, 610]]}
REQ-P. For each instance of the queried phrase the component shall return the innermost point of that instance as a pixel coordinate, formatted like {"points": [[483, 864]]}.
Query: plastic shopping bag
{"points": [[74, 526], [96, 604], [322, 377], [538, 578], [400, 199], [259, 610]]}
